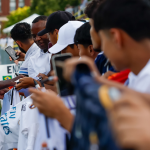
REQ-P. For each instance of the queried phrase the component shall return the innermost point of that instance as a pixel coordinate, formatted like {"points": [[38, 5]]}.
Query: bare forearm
{"points": [[7, 83], [65, 118]]}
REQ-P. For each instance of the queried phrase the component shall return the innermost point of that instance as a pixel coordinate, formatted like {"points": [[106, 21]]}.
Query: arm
{"points": [[11, 82], [27, 82], [52, 106]]}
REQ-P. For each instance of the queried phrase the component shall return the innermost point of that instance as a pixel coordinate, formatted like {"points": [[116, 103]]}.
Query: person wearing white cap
{"points": [[65, 43]]}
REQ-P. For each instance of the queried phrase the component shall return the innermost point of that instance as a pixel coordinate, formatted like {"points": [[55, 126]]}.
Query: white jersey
{"points": [[28, 126], [11, 98], [9, 127], [141, 81], [50, 130], [40, 63], [31, 52]]}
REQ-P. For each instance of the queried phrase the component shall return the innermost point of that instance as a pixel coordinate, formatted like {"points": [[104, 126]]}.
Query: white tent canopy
{"points": [[27, 20]]}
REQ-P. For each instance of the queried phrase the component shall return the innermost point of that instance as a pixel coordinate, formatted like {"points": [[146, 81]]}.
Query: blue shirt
{"points": [[103, 64]]}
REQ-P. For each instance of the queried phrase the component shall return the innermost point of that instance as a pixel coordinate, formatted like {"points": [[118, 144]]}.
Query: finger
{"points": [[37, 99], [19, 86], [128, 100], [127, 139], [18, 52], [35, 91], [1, 96], [18, 89], [6, 90], [39, 75], [21, 80], [52, 73], [10, 58]]}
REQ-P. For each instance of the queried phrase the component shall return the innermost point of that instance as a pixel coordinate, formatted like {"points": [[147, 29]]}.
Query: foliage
{"points": [[41, 7], [46, 7], [18, 15]]}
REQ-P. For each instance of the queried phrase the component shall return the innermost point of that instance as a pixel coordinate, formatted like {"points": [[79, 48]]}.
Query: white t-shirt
{"points": [[31, 52], [141, 82], [40, 63], [28, 126], [11, 98]]}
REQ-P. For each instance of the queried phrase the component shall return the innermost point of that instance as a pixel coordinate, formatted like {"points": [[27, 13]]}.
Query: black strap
{"points": [[47, 127], [46, 120], [12, 95], [67, 142]]}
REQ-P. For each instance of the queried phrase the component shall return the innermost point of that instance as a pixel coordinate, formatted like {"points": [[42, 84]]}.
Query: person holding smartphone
{"points": [[21, 34]]}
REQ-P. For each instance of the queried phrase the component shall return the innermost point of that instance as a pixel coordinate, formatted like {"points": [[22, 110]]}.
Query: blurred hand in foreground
{"points": [[70, 65], [52, 106], [130, 120], [107, 74]]}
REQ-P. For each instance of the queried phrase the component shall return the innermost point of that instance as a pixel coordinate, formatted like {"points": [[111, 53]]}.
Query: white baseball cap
{"points": [[65, 36]]}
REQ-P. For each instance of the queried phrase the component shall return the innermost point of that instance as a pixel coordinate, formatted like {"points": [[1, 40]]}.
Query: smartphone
{"points": [[11, 52], [62, 85]]}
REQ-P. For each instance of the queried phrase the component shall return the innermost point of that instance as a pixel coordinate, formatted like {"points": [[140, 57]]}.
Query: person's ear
{"points": [[56, 31], [116, 36], [19, 43], [91, 50]]}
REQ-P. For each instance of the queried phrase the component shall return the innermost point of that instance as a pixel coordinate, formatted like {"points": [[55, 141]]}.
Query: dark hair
{"points": [[71, 45], [81, 20], [132, 16], [91, 7], [83, 36], [21, 32], [39, 18]]}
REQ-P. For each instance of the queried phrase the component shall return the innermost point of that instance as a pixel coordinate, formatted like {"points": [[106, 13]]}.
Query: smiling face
{"points": [[41, 41]]}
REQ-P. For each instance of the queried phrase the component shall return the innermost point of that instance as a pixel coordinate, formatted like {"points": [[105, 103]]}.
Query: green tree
{"points": [[18, 15], [46, 7]]}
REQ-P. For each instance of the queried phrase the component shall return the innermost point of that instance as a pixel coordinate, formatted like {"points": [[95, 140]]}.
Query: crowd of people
{"points": [[108, 72]]}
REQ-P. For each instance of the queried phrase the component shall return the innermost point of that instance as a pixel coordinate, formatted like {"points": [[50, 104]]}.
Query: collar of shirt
{"points": [[31, 50], [107, 63], [42, 52], [145, 70], [137, 81]]}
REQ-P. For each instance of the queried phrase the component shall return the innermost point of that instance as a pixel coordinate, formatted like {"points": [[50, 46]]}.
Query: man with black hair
{"points": [[83, 41], [42, 58], [124, 30], [101, 61], [39, 24], [21, 34], [54, 22]]}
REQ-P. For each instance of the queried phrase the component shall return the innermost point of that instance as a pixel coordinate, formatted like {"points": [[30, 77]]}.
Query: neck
{"points": [[140, 56], [27, 46], [95, 55]]}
